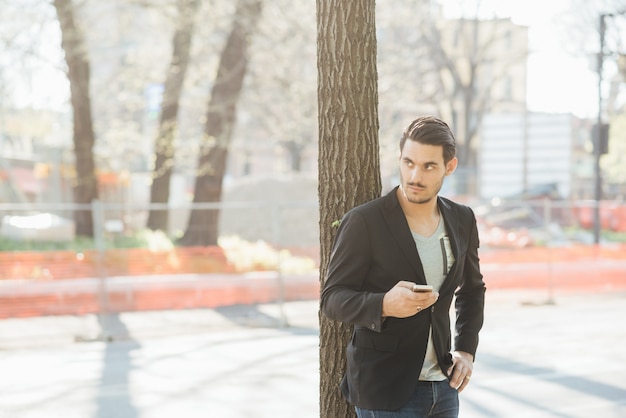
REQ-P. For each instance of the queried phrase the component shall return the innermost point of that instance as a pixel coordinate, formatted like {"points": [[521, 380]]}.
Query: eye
{"points": [[430, 166]]}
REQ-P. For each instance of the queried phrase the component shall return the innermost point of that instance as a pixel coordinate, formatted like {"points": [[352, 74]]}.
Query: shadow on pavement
{"points": [[257, 316], [113, 398]]}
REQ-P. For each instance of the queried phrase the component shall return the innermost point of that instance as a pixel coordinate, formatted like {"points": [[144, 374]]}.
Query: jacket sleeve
{"points": [[470, 296], [342, 297]]}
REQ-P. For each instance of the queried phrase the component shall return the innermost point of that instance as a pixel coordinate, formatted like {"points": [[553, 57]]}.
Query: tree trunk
{"points": [[164, 143], [86, 183], [349, 167], [202, 228]]}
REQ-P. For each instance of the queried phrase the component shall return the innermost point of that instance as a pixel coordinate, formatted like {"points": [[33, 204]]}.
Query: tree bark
{"points": [[202, 228], [349, 167], [86, 183], [164, 143]]}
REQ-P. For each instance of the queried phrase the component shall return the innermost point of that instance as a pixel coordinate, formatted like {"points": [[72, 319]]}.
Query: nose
{"points": [[415, 175]]}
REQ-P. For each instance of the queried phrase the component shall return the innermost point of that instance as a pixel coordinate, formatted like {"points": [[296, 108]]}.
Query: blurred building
{"points": [[535, 154], [36, 161]]}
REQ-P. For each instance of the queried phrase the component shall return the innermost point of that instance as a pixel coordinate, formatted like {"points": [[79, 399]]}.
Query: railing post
{"points": [[276, 233], [97, 211], [547, 219]]}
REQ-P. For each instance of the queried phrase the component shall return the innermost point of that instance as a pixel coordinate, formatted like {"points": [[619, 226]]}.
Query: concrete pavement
{"points": [[541, 355]]}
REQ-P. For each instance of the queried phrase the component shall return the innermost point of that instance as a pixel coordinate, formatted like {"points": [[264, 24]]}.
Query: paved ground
{"points": [[541, 355]]}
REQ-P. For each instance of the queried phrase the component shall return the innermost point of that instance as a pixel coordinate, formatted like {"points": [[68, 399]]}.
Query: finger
{"points": [[458, 374], [463, 384], [430, 297], [425, 301], [458, 381], [405, 284]]}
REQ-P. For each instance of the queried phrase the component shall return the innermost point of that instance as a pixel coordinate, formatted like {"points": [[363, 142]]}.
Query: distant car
{"points": [[38, 227]]}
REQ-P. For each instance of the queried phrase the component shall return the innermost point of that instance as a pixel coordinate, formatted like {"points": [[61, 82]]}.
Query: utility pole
{"points": [[597, 138]]}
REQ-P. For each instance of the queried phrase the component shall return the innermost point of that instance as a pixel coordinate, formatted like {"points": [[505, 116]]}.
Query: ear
{"points": [[451, 166]]}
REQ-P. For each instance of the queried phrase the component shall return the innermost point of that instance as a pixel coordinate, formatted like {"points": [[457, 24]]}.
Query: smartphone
{"points": [[422, 288]]}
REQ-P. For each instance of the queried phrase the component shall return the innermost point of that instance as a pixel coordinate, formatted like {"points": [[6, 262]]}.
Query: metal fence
{"points": [[289, 223], [547, 222], [285, 224], [268, 252]]}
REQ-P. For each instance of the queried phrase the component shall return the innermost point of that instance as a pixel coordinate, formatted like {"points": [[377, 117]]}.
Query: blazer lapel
{"points": [[399, 228], [452, 228]]}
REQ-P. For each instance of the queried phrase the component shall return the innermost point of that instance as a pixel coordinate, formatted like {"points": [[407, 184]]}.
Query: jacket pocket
{"points": [[364, 338]]}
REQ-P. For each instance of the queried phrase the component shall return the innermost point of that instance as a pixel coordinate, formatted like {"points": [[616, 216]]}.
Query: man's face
{"points": [[422, 170]]}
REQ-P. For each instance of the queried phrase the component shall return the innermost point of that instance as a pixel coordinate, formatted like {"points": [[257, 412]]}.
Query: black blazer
{"points": [[374, 250]]}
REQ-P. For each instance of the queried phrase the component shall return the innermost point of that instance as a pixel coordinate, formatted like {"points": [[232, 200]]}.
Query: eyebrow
{"points": [[425, 163]]}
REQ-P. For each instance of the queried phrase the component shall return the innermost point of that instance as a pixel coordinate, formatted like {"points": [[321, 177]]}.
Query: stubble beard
{"points": [[419, 201], [424, 200]]}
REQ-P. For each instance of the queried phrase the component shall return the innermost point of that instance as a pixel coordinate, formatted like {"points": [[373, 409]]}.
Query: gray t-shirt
{"points": [[437, 259]]}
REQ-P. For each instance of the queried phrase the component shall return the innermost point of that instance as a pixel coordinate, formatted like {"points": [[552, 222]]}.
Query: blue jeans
{"points": [[429, 400]]}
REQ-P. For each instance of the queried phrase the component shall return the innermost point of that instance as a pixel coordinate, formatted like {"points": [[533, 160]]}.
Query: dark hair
{"points": [[430, 130]]}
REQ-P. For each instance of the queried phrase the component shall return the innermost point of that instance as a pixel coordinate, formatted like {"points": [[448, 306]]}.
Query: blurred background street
{"points": [[167, 194]]}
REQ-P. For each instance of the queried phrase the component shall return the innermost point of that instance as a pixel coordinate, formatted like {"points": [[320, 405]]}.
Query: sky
{"points": [[557, 81]]}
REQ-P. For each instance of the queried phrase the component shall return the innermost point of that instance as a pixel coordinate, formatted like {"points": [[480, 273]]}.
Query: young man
{"points": [[399, 360]]}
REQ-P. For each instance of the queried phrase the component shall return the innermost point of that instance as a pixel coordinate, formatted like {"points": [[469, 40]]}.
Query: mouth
{"points": [[415, 188]]}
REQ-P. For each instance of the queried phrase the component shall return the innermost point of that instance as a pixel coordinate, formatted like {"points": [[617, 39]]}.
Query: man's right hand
{"points": [[401, 301]]}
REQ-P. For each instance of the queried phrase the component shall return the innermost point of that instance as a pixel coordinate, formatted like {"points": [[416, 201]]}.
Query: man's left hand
{"points": [[461, 370]]}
